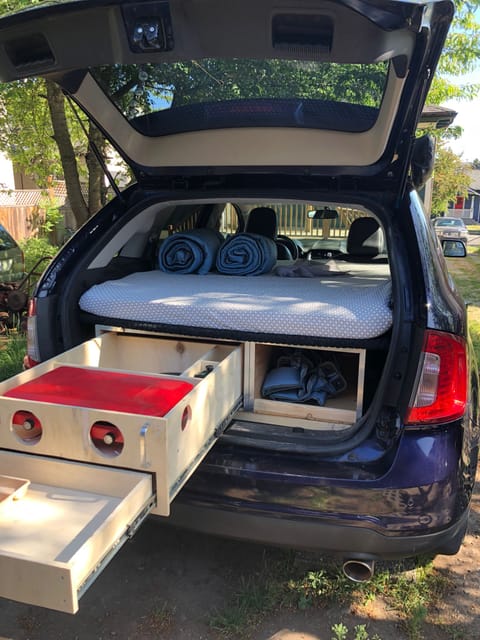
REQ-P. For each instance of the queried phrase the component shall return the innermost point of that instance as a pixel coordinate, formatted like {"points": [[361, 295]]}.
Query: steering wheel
{"points": [[291, 245]]}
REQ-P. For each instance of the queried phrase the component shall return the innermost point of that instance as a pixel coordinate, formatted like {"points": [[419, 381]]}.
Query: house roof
{"points": [[475, 180], [32, 197]]}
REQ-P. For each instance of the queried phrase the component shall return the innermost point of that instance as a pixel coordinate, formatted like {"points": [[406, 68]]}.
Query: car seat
{"points": [[263, 220], [365, 241]]}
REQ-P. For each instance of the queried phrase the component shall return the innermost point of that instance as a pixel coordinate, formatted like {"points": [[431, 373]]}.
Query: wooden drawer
{"points": [[78, 424], [57, 537]]}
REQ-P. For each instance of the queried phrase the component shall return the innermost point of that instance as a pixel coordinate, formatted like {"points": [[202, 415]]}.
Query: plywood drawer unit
{"points": [[129, 401], [338, 412]]}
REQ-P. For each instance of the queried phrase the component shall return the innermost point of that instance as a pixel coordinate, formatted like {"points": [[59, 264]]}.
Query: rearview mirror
{"points": [[454, 249], [323, 214]]}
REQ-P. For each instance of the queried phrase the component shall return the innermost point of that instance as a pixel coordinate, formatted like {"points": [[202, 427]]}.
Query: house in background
{"points": [[468, 207], [22, 202]]}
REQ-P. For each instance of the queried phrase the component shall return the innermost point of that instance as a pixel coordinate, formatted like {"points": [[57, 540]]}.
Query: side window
{"points": [[229, 220], [6, 241]]}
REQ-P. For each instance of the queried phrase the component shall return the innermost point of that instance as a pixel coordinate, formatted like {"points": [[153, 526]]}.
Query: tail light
{"points": [[441, 392], [33, 356]]}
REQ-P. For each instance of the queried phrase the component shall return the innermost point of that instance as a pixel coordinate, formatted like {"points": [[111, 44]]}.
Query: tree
{"points": [[461, 54], [42, 136], [451, 179]]}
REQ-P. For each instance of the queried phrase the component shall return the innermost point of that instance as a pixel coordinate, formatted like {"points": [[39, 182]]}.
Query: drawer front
{"points": [[71, 520]]}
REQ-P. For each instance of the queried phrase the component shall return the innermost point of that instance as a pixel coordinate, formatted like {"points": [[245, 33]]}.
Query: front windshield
{"points": [[449, 223], [210, 93]]}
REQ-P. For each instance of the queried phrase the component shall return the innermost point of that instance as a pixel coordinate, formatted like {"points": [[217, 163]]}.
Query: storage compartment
{"points": [[131, 401], [339, 411], [58, 535]]}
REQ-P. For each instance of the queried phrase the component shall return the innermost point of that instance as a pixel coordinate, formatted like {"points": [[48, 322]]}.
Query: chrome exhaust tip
{"points": [[359, 570]]}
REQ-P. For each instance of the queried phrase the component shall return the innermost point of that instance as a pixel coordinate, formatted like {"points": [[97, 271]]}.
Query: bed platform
{"points": [[352, 302]]}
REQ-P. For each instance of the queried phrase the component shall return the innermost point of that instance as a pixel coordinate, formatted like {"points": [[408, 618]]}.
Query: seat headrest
{"points": [[365, 238], [262, 220]]}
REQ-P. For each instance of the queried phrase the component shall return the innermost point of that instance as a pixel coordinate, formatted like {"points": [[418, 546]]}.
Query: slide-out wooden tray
{"points": [[70, 521]]}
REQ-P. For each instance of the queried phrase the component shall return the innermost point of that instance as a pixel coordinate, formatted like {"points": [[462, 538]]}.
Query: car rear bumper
{"points": [[452, 237], [418, 506], [346, 541]]}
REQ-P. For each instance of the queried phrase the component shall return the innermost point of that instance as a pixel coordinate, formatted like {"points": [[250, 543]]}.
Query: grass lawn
{"points": [[13, 347], [466, 273]]}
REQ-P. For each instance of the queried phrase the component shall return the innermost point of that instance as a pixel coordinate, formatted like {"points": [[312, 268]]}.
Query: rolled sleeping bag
{"points": [[246, 254], [192, 251]]}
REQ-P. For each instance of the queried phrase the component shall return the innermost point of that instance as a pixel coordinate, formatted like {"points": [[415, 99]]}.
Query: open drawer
{"points": [[124, 400], [57, 537]]}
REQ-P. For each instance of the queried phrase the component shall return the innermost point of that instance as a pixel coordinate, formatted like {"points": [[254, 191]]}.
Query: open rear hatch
{"points": [[194, 88]]}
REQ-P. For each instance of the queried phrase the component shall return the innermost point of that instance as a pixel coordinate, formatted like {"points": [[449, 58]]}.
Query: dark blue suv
{"points": [[274, 216]]}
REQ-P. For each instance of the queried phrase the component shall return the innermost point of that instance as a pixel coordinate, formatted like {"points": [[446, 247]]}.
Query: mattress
{"points": [[337, 306]]}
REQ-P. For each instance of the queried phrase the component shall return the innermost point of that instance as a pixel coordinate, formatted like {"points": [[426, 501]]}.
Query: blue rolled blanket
{"points": [[192, 251], [246, 254]]}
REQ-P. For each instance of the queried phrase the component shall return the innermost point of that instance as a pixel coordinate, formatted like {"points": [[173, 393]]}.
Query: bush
{"points": [[36, 249]]}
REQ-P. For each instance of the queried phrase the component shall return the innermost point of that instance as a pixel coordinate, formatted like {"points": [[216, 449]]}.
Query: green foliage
{"points": [[410, 590], [466, 273], [318, 585], [460, 55], [26, 133], [46, 219], [13, 348], [38, 252], [450, 178], [11, 6], [53, 217], [340, 631]]}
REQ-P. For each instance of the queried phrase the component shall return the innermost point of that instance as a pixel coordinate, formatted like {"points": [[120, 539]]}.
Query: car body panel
{"points": [[12, 266]]}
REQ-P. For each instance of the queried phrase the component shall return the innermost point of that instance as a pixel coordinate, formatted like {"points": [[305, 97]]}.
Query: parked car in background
{"points": [[334, 400], [12, 264], [450, 229]]}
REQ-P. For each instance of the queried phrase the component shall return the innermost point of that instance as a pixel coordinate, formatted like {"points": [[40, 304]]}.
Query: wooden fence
{"points": [[17, 220]]}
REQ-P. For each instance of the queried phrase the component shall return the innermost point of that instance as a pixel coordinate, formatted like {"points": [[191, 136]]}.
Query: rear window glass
{"points": [[6, 240], [166, 98]]}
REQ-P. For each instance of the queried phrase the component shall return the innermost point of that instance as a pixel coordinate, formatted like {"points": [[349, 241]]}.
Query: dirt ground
{"points": [[167, 584]]}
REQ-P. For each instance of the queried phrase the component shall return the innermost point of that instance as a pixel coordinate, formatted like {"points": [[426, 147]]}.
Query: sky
{"points": [[468, 146]]}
